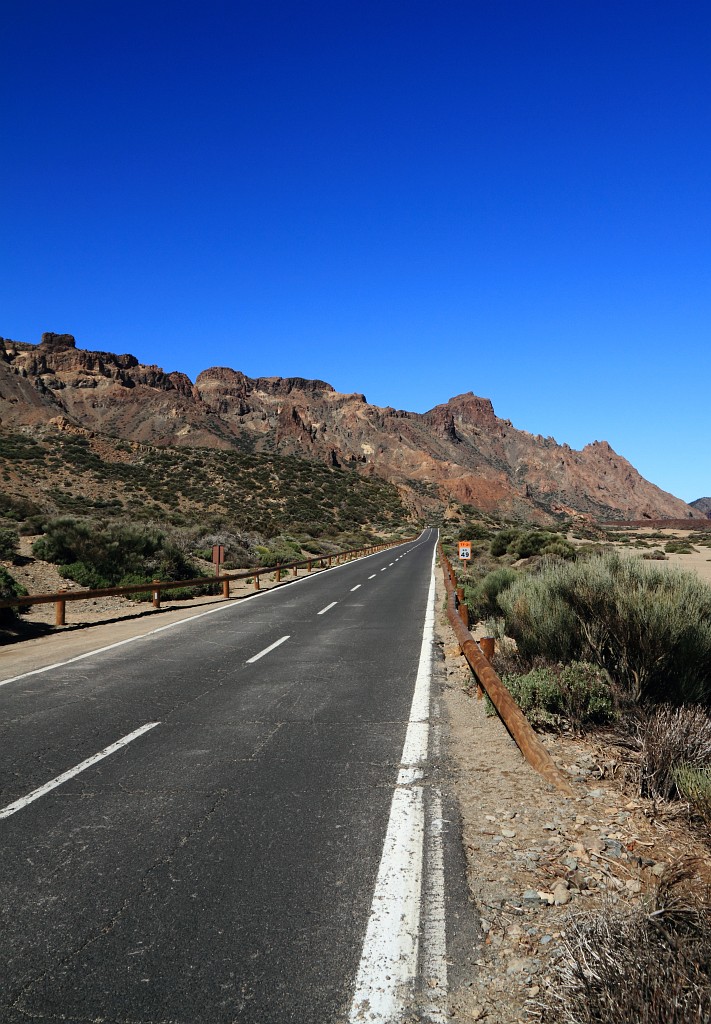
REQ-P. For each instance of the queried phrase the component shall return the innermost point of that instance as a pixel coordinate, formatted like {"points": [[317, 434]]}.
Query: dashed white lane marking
{"points": [[373, 576], [174, 625], [388, 965], [327, 608], [384, 568], [65, 776], [356, 587], [277, 643], [392, 563]]}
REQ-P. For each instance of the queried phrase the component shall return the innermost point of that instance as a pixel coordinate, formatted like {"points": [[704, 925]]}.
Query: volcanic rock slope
{"points": [[459, 452], [702, 505]]}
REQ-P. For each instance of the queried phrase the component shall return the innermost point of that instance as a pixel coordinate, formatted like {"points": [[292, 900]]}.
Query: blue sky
{"points": [[409, 200]]}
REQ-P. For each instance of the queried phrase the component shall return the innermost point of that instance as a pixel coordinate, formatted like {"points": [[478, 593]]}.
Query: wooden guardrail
{"points": [[508, 710], [156, 587]]}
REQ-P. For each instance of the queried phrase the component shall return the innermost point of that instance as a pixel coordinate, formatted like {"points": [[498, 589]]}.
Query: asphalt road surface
{"points": [[220, 861]]}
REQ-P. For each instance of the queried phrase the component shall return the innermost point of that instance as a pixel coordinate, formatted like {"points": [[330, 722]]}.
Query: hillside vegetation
{"points": [[108, 513], [55, 473]]}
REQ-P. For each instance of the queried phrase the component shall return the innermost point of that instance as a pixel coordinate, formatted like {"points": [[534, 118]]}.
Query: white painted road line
{"points": [[65, 776], [434, 932], [356, 587], [327, 608], [388, 966], [277, 643], [373, 576], [384, 568], [392, 563]]}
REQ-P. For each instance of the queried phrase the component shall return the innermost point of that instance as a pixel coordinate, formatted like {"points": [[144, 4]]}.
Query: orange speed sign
{"points": [[465, 550]]}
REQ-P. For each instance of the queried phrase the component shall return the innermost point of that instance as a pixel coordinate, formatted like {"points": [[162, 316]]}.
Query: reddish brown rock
{"points": [[458, 451]]}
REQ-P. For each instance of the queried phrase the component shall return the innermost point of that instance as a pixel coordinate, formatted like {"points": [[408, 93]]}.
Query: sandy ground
{"points": [[699, 561]]}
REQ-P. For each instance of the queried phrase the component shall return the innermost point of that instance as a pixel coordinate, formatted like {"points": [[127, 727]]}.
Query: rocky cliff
{"points": [[702, 505], [457, 452]]}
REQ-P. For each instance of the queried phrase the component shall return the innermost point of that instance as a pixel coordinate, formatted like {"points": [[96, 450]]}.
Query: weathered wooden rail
{"points": [[506, 707], [156, 587]]}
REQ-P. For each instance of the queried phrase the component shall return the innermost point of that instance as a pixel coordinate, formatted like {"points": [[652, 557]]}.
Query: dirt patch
{"points": [[536, 858]]}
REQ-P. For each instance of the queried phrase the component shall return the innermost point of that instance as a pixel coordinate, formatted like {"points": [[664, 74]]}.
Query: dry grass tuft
{"points": [[648, 966], [670, 737]]}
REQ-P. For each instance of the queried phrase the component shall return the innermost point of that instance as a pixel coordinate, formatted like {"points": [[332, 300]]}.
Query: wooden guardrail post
{"points": [[60, 611], [487, 645], [156, 593], [225, 588], [278, 574], [256, 581], [310, 564]]}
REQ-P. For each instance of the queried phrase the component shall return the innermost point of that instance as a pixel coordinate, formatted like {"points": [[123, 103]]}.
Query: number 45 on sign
{"points": [[465, 550]]}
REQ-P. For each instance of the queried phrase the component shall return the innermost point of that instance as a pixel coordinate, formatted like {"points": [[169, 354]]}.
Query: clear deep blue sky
{"points": [[409, 199]]}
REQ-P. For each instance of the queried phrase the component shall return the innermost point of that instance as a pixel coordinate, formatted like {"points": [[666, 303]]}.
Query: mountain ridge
{"points": [[457, 452]]}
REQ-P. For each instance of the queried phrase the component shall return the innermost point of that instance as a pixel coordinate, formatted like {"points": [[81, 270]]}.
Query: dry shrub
{"points": [[670, 737], [648, 966]]}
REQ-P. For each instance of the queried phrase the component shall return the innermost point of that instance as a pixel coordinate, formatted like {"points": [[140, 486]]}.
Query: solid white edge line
{"points": [[180, 622], [388, 965], [277, 643], [65, 776], [327, 608], [434, 931]]}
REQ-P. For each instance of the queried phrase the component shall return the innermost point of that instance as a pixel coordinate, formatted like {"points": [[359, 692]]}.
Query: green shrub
{"points": [[99, 557], [678, 547], [9, 541], [280, 550], [9, 588], [694, 785], [482, 597], [648, 626], [527, 543], [500, 543], [578, 694]]}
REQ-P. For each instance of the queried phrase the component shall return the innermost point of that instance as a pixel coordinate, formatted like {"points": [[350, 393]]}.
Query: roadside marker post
{"points": [[218, 557]]}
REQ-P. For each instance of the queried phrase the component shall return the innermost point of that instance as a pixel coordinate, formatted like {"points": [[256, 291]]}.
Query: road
{"points": [[257, 841]]}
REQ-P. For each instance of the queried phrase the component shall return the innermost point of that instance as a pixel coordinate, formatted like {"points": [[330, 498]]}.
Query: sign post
{"points": [[465, 550], [218, 557]]}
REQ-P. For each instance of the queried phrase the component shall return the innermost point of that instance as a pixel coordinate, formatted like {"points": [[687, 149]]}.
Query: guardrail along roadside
{"points": [[156, 587], [507, 709]]}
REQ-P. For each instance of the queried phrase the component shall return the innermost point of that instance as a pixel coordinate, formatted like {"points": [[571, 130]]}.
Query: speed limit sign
{"points": [[465, 550]]}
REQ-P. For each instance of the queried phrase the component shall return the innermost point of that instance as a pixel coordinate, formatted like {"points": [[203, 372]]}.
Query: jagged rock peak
{"points": [[466, 408], [57, 342]]}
